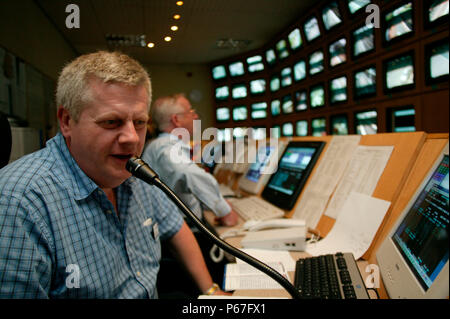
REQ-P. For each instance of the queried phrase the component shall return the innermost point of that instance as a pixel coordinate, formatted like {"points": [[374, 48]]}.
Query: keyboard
{"points": [[333, 276], [255, 208], [226, 191]]}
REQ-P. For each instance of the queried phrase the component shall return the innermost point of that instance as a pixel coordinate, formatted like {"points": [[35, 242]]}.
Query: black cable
{"points": [[142, 171]]}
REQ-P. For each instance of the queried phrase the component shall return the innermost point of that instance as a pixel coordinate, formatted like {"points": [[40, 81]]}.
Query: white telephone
{"points": [[254, 225]]}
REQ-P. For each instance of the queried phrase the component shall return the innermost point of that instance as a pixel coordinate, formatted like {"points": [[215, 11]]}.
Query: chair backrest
{"points": [[5, 140]]}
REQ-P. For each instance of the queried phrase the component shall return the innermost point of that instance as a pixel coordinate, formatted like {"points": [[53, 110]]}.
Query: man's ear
{"points": [[64, 119], [174, 120]]}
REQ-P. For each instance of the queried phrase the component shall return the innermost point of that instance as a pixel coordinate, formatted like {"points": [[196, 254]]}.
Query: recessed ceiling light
{"points": [[174, 28], [176, 16], [167, 39], [179, 3], [150, 44]]}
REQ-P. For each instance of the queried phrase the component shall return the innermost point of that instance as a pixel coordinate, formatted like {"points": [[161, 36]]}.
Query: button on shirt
{"points": [[170, 159], [59, 236]]}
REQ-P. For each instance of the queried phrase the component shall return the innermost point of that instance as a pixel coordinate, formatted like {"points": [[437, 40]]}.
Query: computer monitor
{"points": [[319, 126], [299, 70], [222, 114], [338, 89], [255, 63], [317, 96], [301, 128], [311, 29], [436, 12], [286, 78], [275, 107], [282, 49], [239, 113], [316, 62], [413, 259], [265, 164], [274, 84], [287, 106], [363, 40], [366, 122], [365, 82], [294, 168], [257, 86], [337, 52], [339, 124], [271, 57], [218, 72], [287, 129], [301, 104], [295, 39], [437, 62], [236, 69], [401, 119], [239, 91], [222, 93], [356, 5], [259, 111], [398, 23], [399, 73], [331, 16]]}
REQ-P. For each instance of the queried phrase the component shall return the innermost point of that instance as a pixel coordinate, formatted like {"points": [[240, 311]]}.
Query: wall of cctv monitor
{"points": [[275, 75]]}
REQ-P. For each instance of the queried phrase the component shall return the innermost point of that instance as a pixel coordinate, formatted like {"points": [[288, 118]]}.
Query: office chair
{"points": [[5, 140]]}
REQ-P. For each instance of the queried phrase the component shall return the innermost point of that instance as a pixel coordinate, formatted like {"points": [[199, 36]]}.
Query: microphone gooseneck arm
{"points": [[141, 170]]}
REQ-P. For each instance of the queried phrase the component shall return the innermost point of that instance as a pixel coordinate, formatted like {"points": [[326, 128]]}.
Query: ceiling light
{"points": [[174, 28], [179, 3], [150, 44], [176, 16], [167, 39]]}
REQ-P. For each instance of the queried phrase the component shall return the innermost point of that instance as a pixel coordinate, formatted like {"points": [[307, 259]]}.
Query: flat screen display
{"points": [[363, 40], [219, 72], [399, 72], [331, 15], [295, 39], [262, 160], [239, 113], [365, 82], [398, 22], [337, 52], [294, 168], [311, 29]]}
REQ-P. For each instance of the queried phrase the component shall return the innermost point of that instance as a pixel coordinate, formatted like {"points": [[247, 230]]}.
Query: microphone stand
{"points": [[142, 170]]}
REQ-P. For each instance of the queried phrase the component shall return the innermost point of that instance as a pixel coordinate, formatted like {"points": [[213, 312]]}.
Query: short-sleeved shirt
{"points": [[60, 237]]}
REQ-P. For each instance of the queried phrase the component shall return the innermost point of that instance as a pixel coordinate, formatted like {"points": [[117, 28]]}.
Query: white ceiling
{"points": [[202, 24]]}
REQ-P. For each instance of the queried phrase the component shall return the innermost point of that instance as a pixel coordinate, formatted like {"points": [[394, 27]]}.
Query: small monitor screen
{"points": [[239, 113], [402, 119], [438, 65], [282, 49], [437, 10], [255, 64], [365, 82], [337, 52], [274, 84], [222, 93], [224, 135], [331, 15], [286, 78], [270, 56], [317, 96], [300, 101], [275, 131], [311, 28], [239, 91], [295, 39], [219, 72], [299, 70], [339, 125], [275, 107], [363, 40], [258, 133], [316, 62], [301, 128], [222, 114], [398, 22], [236, 68], [262, 160], [259, 111], [287, 106], [258, 86], [366, 122], [294, 168], [399, 72], [319, 126], [422, 236], [338, 90], [355, 5], [287, 129]]}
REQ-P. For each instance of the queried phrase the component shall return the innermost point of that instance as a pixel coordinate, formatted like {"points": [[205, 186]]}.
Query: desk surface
{"points": [[236, 242]]}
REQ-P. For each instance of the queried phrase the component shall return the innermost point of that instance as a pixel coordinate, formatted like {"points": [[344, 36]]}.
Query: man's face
{"points": [[186, 117], [111, 129]]}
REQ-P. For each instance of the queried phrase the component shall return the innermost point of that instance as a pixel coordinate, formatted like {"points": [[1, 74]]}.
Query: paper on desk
{"points": [[361, 176], [270, 256], [327, 175], [245, 276], [355, 227]]}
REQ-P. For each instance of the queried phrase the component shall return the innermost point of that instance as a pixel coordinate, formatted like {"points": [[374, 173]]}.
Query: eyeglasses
{"points": [[191, 111]]}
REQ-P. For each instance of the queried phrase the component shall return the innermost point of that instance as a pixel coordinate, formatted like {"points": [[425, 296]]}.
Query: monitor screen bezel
{"points": [[403, 87], [355, 89], [387, 43], [330, 91], [285, 201], [221, 78], [428, 53], [352, 42], [340, 12], [432, 24]]}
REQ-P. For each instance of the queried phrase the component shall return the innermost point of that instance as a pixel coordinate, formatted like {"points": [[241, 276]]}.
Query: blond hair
{"points": [[73, 91]]}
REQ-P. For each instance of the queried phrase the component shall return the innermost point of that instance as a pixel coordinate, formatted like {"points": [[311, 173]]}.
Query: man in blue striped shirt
{"points": [[73, 223]]}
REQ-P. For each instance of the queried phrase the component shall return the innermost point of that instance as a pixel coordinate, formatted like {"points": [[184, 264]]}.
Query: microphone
{"points": [[138, 168]]}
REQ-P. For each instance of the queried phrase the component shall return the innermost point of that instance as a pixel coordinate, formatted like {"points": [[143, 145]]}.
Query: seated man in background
{"points": [[170, 158], [74, 224]]}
